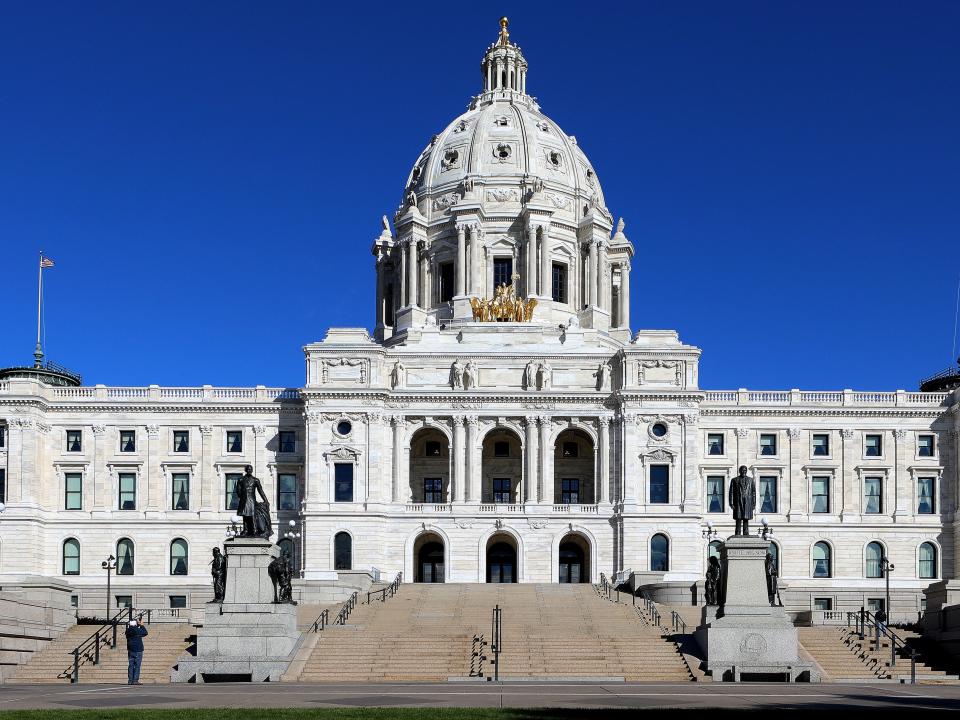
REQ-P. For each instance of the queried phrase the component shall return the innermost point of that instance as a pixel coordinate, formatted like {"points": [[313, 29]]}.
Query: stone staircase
{"points": [[165, 643], [430, 632]]}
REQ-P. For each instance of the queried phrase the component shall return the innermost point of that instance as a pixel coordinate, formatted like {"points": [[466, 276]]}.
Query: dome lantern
{"points": [[504, 68]]}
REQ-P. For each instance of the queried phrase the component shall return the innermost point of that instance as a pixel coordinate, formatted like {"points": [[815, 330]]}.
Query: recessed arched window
{"points": [[71, 557], [286, 548], [124, 556], [874, 557], [659, 553], [178, 557], [927, 561], [822, 567], [342, 551], [713, 549]]}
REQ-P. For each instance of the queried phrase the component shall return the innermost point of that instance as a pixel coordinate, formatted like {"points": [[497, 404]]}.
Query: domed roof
{"points": [[503, 142]]}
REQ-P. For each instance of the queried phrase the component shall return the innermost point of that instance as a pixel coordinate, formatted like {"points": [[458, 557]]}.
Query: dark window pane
{"points": [[343, 479], [874, 566], [125, 557], [502, 271], [128, 491], [124, 601], [821, 494], [768, 494], [925, 497], [821, 560], [928, 561], [873, 445], [715, 444], [178, 557], [181, 491], [823, 604], [286, 491], [715, 496], [181, 441], [659, 483], [447, 288], [501, 490], [433, 490], [768, 444], [821, 445], [873, 495], [570, 492], [3, 485], [659, 554], [71, 557], [231, 501], [128, 441], [925, 446], [3, 436], [234, 441], [74, 440], [560, 283], [343, 550], [432, 448], [571, 450], [501, 448], [287, 441], [178, 602], [73, 495]]}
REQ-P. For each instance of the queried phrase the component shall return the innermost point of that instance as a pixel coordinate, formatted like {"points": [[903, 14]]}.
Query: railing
{"points": [[818, 397], [477, 658], [583, 509], [679, 626], [176, 394], [604, 588], [89, 649], [651, 607], [427, 508], [865, 619], [346, 609], [321, 622], [501, 508], [496, 640], [390, 590]]}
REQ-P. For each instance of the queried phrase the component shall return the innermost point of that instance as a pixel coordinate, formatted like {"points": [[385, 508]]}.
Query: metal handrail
{"points": [[89, 649], [678, 623], [651, 608], [322, 621], [346, 609], [864, 619], [390, 589]]}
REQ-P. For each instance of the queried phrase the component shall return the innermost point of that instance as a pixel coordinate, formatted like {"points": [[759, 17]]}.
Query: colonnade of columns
{"points": [[505, 73]]}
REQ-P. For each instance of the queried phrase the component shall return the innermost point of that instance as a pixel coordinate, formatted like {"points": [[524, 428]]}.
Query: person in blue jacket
{"points": [[135, 634]]}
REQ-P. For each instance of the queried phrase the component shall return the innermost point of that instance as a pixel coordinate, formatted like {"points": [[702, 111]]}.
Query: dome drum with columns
{"points": [[502, 194]]}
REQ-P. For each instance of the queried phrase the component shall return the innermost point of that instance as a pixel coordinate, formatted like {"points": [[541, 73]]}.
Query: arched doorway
{"points": [[574, 559], [501, 559], [573, 469], [502, 467], [428, 558], [429, 467]]}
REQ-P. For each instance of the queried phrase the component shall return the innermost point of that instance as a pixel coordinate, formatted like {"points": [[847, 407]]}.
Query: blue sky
{"points": [[209, 176]]}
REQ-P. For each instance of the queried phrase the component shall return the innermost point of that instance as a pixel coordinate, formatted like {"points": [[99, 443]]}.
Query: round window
{"points": [[659, 429], [344, 427]]}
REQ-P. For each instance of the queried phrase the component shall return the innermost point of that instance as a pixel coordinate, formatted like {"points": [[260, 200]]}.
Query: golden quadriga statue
{"points": [[504, 307]]}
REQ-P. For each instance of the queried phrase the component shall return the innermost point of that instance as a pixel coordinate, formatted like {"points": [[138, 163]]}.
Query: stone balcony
{"points": [[831, 398]]}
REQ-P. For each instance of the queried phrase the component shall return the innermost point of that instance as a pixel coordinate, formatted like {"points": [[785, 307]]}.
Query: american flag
{"points": [[45, 262]]}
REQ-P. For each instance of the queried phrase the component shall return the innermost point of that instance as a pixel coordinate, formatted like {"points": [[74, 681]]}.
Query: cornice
{"points": [[821, 412], [288, 407]]}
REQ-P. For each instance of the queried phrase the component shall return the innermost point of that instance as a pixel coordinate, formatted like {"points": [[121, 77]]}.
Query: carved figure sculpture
{"points": [[456, 375], [603, 376], [218, 570], [246, 491], [530, 376], [397, 374], [545, 373], [773, 589], [471, 376], [743, 500], [275, 572], [712, 583]]}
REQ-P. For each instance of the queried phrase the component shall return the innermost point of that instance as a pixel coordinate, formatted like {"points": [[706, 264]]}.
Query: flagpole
{"points": [[38, 353]]}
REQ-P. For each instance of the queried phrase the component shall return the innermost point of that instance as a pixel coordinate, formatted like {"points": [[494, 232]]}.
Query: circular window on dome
{"points": [[344, 427], [555, 158], [502, 152], [659, 429], [451, 158]]}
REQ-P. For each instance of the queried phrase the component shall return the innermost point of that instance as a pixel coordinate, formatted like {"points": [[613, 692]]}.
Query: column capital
{"points": [[206, 429], [153, 430], [899, 433], [259, 430], [398, 421], [793, 433], [846, 433], [99, 429], [625, 266], [742, 432], [458, 420], [472, 420], [603, 422]]}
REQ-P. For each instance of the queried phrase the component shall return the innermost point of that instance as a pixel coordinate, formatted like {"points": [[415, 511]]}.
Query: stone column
{"points": [[378, 266], [459, 461], [902, 478], [473, 466], [545, 266], [17, 447], [547, 489], [530, 459], [267, 479], [101, 486], [603, 452], [155, 481], [206, 470], [489, 76], [461, 259], [602, 300], [412, 266], [475, 236], [790, 503], [396, 474], [845, 504], [592, 274], [403, 279], [489, 259], [625, 295], [530, 282]]}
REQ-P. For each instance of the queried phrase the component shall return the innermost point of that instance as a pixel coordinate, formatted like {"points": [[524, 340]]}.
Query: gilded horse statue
{"points": [[504, 307]]}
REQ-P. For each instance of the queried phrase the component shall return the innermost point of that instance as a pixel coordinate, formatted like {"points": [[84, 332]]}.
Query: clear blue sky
{"points": [[209, 176]]}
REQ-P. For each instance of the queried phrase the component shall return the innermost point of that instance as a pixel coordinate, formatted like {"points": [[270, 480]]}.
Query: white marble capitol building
{"points": [[502, 423]]}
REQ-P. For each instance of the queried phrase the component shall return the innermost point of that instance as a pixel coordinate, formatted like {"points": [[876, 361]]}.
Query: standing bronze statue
{"points": [[219, 572], [712, 584], [773, 589], [256, 515], [743, 500]]}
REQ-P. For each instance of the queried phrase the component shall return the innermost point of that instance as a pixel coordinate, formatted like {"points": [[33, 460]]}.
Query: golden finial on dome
{"points": [[504, 35]]}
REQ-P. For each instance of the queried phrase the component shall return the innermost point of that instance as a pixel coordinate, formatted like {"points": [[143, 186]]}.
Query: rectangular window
{"points": [[433, 490], [178, 602], [768, 444], [181, 441], [570, 491], [432, 448], [570, 449], [286, 491], [447, 289], [659, 483], [875, 604], [873, 495], [821, 494], [501, 490], [128, 491], [925, 445], [823, 603], [768, 493], [234, 441], [231, 501], [74, 440], [821, 445], [501, 448], [124, 601], [287, 441], [559, 283], [73, 491], [128, 441], [715, 499], [3, 486], [3, 436], [715, 444], [343, 482], [502, 271], [75, 600], [925, 498], [181, 491], [873, 446]]}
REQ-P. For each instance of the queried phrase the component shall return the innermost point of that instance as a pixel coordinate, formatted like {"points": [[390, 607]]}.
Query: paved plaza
{"points": [[486, 694]]}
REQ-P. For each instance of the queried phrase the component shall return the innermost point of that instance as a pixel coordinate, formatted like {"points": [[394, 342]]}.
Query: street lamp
{"points": [[109, 565], [885, 567], [709, 531]]}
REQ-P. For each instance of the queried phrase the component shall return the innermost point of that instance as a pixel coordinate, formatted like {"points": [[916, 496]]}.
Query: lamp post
{"points": [[293, 536], [109, 565], [885, 567]]}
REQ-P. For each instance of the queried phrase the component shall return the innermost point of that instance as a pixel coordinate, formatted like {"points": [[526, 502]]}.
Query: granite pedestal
{"points": [[746, 638], [247, 636]]}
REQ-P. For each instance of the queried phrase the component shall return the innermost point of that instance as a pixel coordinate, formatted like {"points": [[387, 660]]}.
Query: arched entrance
{"points": [[429, 564], [502, 467], [429, 467], [574, 559], [573, 469], [501, 559]]}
